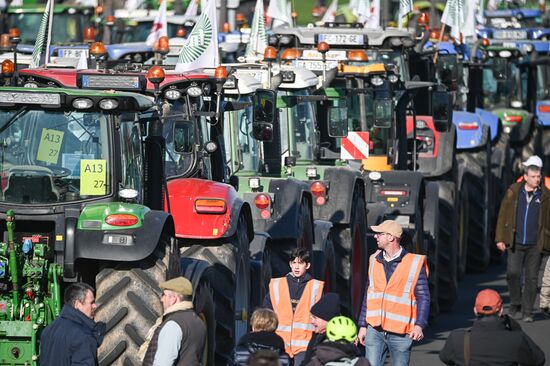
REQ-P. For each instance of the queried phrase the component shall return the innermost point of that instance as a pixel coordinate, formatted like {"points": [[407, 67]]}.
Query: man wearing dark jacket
{"points": [[493, 340], [523, 229], [325, 309], [73, 338]]}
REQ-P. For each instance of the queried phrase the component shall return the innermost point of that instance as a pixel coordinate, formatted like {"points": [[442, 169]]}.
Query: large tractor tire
{"points": [[261, 273], [229, 277], [463, 226], [526, 150], [479, 224], [324, 264], [430, 228], [128, 301], [350, 247], [447, 245], [281, 249]]}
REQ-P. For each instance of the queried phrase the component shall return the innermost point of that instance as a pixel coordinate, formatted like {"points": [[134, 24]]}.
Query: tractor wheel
{"points": [[350, 247], [526, 150], [228, 276], [261, 274], [203, 303], [463, 227], [281, 249], [448, 245], [324, 264], [479, 225], [430, 228], [128, 301]]}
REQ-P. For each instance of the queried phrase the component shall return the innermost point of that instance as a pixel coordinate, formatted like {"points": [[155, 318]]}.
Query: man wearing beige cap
{"points": [[179, 335], [523, 230], [494, 339], [397, 304]]}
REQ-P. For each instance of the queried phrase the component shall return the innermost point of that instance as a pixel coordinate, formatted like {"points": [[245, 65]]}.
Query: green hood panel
{"points": [[503, 112], [93, 216]]}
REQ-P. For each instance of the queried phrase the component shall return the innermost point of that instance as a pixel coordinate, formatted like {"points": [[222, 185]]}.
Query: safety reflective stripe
{"points": [[314, 291], [412, 272], [284, 328], [398, 299], [371, 269], [288, 328], [276, 289], [392, 316], [299, 343]]}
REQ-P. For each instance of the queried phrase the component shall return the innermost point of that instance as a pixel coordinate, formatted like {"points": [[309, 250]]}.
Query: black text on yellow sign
{"points": [[93, 177], [50, 145]]}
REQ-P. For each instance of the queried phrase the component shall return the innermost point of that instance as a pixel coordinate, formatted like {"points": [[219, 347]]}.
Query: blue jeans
{"points": [[377, 345]]}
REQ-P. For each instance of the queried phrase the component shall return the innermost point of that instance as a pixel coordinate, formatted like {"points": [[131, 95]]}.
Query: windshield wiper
{"points": [[13, 118]]}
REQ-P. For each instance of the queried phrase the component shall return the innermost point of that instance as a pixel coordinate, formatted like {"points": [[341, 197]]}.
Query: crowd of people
{"points": [[300, 325]]}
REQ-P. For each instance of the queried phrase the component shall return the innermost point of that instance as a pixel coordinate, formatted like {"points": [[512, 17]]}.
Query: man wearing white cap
{"points": [[523, 229]]}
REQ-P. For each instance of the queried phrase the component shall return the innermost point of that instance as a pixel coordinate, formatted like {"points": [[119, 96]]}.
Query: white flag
{"points": [[160, 25], [43, 38], [258, 35], [330, 14], [373, 20], [201, 47], [469, 25], [453, 16], [279, 13], [405, 7], [192, 10], [82, 62]]}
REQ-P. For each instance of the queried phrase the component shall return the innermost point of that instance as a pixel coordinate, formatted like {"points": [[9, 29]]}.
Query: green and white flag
{"points": [[279, 11], [192, 10], [43, 38], [405, 7], [453, 16], [258, 36], [372, 16], [201, 48]]}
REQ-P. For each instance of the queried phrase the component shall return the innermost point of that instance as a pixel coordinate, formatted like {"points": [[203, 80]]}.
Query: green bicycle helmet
{"points": [[341, 328]]}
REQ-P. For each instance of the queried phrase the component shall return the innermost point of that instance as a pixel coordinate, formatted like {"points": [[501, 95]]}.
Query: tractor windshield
{"points": [[361, 108], [53, 156], [501, 83], [67, 28], [297, 122], [241, 149], [391, 57], [543, 82]]}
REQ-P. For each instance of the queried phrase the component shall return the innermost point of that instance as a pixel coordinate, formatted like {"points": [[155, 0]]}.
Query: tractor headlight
{"points": [[108, 104], [172, 94], [254, 183], [82, 103], [311, 172], [194, 91]]}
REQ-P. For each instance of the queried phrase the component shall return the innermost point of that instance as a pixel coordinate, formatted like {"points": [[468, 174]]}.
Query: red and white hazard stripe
{"points": [[355, 146]]}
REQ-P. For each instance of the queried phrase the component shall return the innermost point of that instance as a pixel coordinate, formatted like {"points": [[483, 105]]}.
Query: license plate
{"points": [[315, 65], [72, 52], [510, 34], [331, 55], [175, 50], [342, 39]]}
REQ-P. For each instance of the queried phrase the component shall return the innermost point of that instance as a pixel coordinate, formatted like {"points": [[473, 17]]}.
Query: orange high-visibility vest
{"points": [[295, 328], [392, 305], [546, 181]]}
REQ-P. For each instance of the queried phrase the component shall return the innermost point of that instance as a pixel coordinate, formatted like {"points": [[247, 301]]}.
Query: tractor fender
{"points": [[341, 181], [131, 244], [193, 270], [408, 181], [472, 137], [258, 244], [489, 119], [519, 131], [322, 230], [543, 117], [239, 207], [288, 195], [190, 224]]}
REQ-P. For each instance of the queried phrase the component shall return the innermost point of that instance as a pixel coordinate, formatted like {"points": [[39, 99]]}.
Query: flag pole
{"points": [[439, 41], [48, 39]]}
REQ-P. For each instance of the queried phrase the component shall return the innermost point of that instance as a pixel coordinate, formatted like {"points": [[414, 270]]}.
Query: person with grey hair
{"points": [[523, 230], [74, 337]]}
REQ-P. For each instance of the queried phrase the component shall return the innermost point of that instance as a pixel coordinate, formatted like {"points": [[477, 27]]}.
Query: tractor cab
{"points": [[514, 24]]}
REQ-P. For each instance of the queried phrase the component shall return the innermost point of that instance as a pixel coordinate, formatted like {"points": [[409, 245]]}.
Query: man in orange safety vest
{"points": [[397, 304], [291, 298]]}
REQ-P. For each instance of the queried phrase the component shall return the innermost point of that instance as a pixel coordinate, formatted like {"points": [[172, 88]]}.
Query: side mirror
{"points": [[184, 137], [442, 110], [265, 106], [262, 131], [383, 113], [338, 121]]}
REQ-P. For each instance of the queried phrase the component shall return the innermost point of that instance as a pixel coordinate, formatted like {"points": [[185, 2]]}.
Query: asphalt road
{"points": [[426, 353]]}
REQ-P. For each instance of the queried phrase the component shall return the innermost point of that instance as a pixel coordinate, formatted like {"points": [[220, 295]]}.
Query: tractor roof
{"points": [[246, 84], [342, 37], [54, 96], [58, 8]]}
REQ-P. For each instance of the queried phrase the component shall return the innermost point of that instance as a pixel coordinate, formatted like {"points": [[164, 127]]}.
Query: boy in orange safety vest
{"points": [[291, 298]]}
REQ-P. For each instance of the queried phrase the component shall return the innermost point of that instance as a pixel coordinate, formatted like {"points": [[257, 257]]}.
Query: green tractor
{"points": [[75, 207]]}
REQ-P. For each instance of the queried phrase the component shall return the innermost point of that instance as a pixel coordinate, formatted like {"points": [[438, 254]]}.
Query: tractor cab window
{"points": [[247, 147], [361, 107], [53, 156], [447, 70], [303, 127], [543, 82], [67, 28], [501, 83], [391, 57], [131, 155]]}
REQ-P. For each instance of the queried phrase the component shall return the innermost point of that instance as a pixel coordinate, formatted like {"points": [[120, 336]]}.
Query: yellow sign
{"points": [[393, 199], [50, 145], [93, 177]]}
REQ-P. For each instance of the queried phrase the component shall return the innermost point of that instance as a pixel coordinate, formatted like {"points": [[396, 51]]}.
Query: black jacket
{"points": [[335, 351], [313, 342], [296, 286], [255, 341], [72, 339], [493, 341]]}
